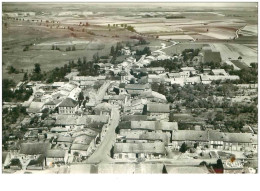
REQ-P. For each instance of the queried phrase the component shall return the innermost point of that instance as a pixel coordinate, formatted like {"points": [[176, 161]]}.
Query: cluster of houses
{"points": [[76, 128]]}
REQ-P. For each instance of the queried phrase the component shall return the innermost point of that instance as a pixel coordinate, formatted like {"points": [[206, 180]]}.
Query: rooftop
{"points": [[158, 148], [68, 102], [158, 108], [34, 148]]}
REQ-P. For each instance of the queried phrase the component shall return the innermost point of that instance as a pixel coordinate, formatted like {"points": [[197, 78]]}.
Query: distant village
{"points": [[142, 115]]}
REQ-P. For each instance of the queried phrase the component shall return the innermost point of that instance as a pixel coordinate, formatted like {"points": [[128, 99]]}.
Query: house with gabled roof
{"points": [[153, 96], [158, 111], [136, 89], [68, 106]]}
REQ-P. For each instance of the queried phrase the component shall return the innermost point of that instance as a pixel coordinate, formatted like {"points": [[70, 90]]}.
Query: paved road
{"points": [[102, 154]]}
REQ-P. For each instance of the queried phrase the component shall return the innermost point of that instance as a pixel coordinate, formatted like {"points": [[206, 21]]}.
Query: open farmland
{"points": [[233, 51], [39, 28]]}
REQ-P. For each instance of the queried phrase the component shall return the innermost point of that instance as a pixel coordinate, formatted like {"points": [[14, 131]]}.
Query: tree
{"points": [[130, 28], [219, 117], [112, 51], [183, 148], [81, 97], [37, 68], [161, 89], [79, 61], [96, 57], [253, 65], [132, 81], [26, 48], [25, 77], [12, 70]]}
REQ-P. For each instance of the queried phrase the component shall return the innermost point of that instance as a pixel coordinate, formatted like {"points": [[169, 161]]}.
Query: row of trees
{"points": [[146, 51], [169, 64], [116, 51], [128, 27]]}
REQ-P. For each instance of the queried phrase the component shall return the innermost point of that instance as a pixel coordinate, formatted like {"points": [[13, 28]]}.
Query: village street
{"points": [[102, 154], [101, 92]]}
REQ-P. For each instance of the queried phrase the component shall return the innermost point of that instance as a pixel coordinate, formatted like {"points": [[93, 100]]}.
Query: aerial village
{"points": [[142, 115]]}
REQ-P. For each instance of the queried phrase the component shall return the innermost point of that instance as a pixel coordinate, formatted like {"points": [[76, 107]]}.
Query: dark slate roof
{"points": [[134, 117], [136, 86], [68, 102], [34, 148]]}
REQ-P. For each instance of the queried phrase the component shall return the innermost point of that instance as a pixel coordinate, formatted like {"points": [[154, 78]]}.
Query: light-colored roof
{"points": [[219, 72], [158, 108], [133, 135], [156, 148], [35, 107], [58, 84], [188, 69], [70, 75], [154, 69], [153, 94], [218, 77], [154, 125]]}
